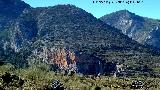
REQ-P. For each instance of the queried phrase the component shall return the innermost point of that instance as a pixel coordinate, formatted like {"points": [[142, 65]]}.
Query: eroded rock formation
{"points": [[63, 59]]}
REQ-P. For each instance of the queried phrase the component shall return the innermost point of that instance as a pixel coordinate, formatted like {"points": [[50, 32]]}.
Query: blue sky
{"points": [[148, 8]]}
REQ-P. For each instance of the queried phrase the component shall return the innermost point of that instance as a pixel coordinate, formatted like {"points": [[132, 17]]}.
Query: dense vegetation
{"points": [[39, 77]]}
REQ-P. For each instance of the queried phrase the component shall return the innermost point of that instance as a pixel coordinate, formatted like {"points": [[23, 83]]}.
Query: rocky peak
{"points": [[125, 13], [123, 18], [136, 27]]}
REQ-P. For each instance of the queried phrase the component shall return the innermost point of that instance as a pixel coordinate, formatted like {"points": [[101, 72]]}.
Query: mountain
{"points": [[66, 34], [66, 24], [10, 10], [68, 37], [143, 30]]}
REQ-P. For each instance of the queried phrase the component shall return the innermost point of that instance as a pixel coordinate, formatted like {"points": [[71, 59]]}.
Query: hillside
{"points": [[10, 10], [66, 35], [142, 29], [69, 38], [70, 25]]}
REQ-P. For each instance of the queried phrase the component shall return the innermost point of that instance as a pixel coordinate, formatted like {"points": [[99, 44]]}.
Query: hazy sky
{"points": [[148, 8]]}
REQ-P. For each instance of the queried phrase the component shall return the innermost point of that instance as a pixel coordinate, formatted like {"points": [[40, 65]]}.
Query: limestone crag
{"points": [[60, 57]]}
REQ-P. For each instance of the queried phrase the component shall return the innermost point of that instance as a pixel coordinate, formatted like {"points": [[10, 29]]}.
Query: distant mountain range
{"points": [[142, 29], [69, 37]]}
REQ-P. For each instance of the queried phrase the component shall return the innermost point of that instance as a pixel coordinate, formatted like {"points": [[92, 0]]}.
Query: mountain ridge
{"points": [[136, 27]]}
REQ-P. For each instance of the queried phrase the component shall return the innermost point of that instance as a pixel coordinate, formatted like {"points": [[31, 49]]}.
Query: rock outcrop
{"points": [[67, 60]]}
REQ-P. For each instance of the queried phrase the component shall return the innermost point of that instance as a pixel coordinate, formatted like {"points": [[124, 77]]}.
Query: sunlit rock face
{"points": [[123, 23], [123, 20], [63, 59], [154, 37]]}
